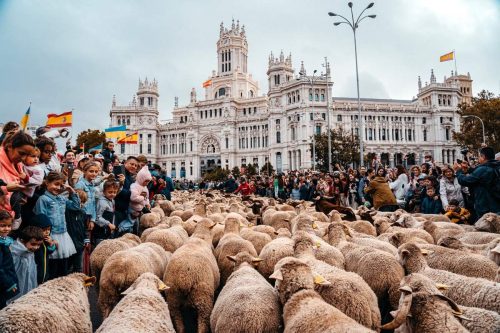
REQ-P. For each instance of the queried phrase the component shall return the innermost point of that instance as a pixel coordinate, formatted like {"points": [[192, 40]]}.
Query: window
{"points": [[278, 137], [128, 120], [227, 143], [150, 101], [425, 135], [310, 95], [222, 92], [122, 148], [310, 116], [447, 134], [441, 120], [424, 120], [141, 101], [119, 120], [140, 143], [277, 121], [339, 117], [318, 129], [251, 93], [322, 97], [323, 115]]}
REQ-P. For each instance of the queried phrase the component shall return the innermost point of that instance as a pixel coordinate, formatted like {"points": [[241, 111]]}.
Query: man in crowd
{"points": [[126, 178]]}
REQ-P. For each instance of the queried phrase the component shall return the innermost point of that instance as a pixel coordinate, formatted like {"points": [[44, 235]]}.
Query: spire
{"points": [[282, 56], [242, 34], [232, 25], [289, 59], [134, 101], [433, 78], [176, 102], [302, 69], [452, 72], [468, 75], [237, 26], [193, 95], [221, 29], [113, 103], [419, 83]]}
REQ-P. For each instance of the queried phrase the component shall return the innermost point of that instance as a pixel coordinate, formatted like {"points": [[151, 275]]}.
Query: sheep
{"points": [[490, 250], [166, 206], [399, 238], [478, 320], [59, 305], [489, 222], [267, 229], [124, 267], [169, 239], [438, 233], [348, 292], [383, 226], [229, 245], [247, 303], [193, 276], [429, 309], [304, 310], [143, 309], [258, 239], [478, 237], [148, 220], [276, 219], [272, 252], [217, 232], [379, 269], [148, 231], [376, 244], [363, 227], [158, 211], [468, 291], [106, 248], [412, 221]]}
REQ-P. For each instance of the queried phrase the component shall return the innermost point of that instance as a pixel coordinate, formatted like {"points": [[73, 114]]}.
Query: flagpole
{"points": [[29, 118], [455, 59]]}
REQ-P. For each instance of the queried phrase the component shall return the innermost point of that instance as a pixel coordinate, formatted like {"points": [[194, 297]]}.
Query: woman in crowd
{"points": [[380, 191], [400, 185], [449, 188]]}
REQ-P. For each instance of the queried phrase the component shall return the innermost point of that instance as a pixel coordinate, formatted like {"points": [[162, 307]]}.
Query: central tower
{"points": [[232, 50]]}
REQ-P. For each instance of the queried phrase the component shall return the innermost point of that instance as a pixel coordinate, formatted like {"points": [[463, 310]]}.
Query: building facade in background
{"points": [[234, 124]]}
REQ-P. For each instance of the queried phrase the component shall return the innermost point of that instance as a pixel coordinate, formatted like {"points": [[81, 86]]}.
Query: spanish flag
{"points": [[207, 83], [116, 132], [130, 139], [447, 56], [60, 120], [26, 117]]}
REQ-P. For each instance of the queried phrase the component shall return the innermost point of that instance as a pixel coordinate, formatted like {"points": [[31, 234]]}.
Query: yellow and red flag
{"points": [[447, 56], [26, 117], [207, 83], [130, 139], [60, 120]]}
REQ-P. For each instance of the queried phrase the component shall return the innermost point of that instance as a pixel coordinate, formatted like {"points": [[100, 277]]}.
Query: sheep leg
{"points": [[174, 305], [203, 300]]}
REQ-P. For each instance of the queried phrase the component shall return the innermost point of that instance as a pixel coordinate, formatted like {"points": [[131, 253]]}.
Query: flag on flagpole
{"points": [[116, 132], [96, 148], [60, 120], [130, 139], [26, 117], [207, 83], [447, 56]]}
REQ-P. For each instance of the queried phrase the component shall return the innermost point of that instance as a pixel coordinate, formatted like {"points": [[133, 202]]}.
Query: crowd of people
{"points": [[56, 207]]}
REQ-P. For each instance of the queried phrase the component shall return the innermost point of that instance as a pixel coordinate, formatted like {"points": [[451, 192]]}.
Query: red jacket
{"points": [[244, 188]]}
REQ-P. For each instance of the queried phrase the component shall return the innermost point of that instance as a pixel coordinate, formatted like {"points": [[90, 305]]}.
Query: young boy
{"points": [[23, 254], [8, 277], [76, 221], [105, 212], [457, 214], [46, 248], [431, 204]]}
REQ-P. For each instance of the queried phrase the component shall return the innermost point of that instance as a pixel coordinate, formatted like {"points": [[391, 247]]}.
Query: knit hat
{"points": [[41, 221]]}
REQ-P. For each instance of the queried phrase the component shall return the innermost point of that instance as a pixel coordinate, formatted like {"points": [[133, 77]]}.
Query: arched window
{"points": [[278, 137], [222, 92], [251, 93], [210, 149], [119, 120], [128, 120]]}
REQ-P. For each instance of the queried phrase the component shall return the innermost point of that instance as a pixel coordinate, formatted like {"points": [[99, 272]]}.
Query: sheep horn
{"points": [[402, 312], [89, 281]]}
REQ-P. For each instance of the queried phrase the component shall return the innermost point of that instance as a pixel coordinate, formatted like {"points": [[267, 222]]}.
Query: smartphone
{"points": [[118, 170], [459, 161]]}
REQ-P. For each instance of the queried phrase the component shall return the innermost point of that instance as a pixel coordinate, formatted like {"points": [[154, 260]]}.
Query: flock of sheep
{"points": [[222, 264]]}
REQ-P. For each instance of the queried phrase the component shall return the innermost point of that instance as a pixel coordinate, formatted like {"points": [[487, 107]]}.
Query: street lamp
{"points": [[354, 24], [314, 125], [482, 125]]}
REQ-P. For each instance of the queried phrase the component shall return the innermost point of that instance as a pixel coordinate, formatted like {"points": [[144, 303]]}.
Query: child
{"points": [[76, 220], [431, 204], [86, 183], [105, 212], [457, 214], [295, 195], [53, 204], [32, 176], [47, 247], [30, 239], [8, 277], [139, 195]]}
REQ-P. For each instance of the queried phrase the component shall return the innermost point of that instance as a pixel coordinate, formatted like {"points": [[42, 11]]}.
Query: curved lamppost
{"points": [[354, 24], [482, 125]]}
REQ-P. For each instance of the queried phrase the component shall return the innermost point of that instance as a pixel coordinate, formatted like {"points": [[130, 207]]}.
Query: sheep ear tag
{"points": [[317, 245], [319, 279], [89, 281], [162, 286], [314, 226], [426, 252], [277, 275], [441, 286]]}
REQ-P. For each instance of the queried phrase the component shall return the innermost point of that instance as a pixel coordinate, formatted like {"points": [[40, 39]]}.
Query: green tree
{"points": [[251, 170], [345, 149], [236, 172], [217, 174], [90, 138], [267, 168], [487, 107]]}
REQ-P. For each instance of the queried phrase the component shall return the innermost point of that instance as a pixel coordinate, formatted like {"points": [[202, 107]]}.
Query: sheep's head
{"points": [[411, 257], [420, 286], [381, 224], [335, 216], [397, 238], [489, 222], [293, 275], [283, 232], [244, 257], [450, 242], [406, 220], [337, 233], [147, 280]]}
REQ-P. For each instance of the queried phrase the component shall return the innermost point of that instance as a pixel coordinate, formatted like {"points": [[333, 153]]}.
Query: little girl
{"points": [[53, 204], [139, 193], [86, 183], [32, 175]]}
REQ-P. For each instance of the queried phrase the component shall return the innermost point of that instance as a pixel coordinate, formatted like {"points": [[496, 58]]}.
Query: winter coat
{"points": [[137, 201], [8, 277], [34, 178], [54, 206], [25, 266], [449, 190], [9, 173], [295, 195], [123, 197], [400, 186], [482, 181], [380, 192], [431, 206], [90, 189], [76, 221], [230, 186]]}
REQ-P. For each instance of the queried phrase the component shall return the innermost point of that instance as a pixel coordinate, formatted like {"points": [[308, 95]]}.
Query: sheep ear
{"points": [[496, 249], [405, 254], [406, 289], [346, 230], [456, 310], [441, 286], [162, 286], [232, 258], [319, 279], [256, 260], [342, 215], [89, 281], [426, 252], [314, 225], [277, 275]]}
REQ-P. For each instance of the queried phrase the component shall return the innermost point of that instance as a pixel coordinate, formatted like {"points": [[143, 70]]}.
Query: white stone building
{"points": [[235, 124]]}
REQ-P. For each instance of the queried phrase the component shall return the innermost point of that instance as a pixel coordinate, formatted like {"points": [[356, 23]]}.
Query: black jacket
{"points": [[230, 186], [76, 223], [8, 277], [122, 200]]}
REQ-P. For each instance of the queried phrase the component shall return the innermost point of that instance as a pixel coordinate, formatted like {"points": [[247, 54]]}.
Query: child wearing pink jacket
{"points": [[139, 197]]}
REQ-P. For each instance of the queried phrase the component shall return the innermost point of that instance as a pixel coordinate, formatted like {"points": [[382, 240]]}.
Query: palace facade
{"points": [[235, 124]]}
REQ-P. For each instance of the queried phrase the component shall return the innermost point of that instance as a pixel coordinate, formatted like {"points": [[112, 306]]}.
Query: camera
{"points": [[464, 150]]}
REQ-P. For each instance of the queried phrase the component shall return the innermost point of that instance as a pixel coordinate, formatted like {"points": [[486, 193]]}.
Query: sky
{"points": [[62, 55]]}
